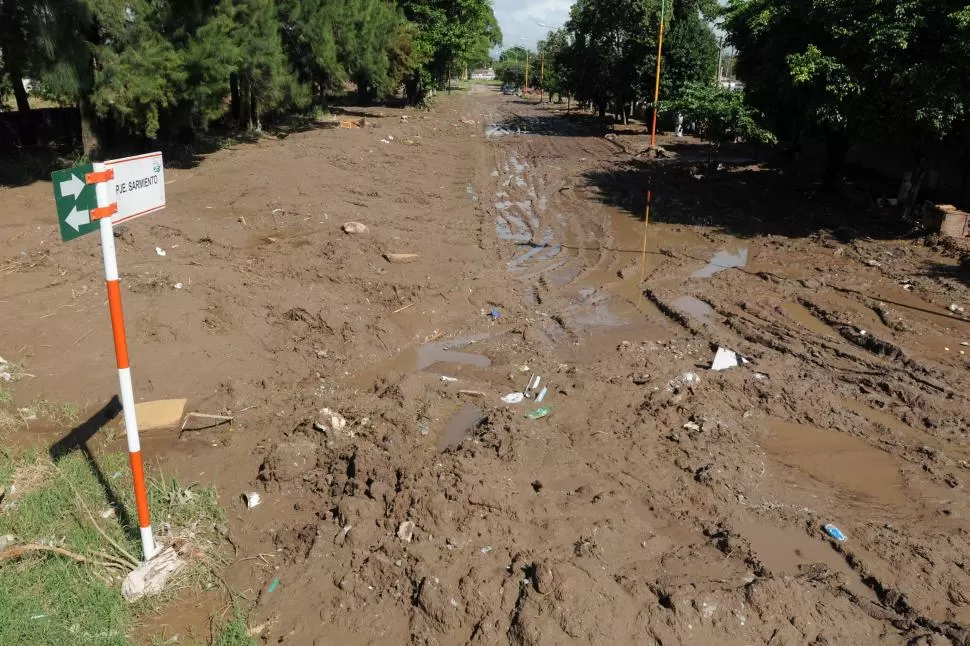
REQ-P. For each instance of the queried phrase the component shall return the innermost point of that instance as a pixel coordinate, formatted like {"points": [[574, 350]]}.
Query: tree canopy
{"points": [[161, 67]]}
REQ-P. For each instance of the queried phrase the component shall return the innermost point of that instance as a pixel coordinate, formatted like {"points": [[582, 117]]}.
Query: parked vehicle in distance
{"points": [[508, 88]]}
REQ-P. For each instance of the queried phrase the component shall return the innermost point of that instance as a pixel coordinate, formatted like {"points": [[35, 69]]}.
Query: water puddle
{"points": [[722, 260], [843, 461], [799, 314], [416, 359], [695, 307], [459, 425], [791, 552]]}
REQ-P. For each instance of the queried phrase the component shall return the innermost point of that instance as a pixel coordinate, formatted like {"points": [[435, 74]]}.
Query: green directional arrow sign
{"points": [[75, 200]]}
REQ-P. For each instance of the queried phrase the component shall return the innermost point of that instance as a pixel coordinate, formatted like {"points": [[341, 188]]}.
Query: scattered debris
{"points": [[541, 395], [149, 578], [539, 413], [957, 308], [486, 549], [401, 258], [272, 586], [834, 532], [468, 122], [352, 123], [160, 251], [401, 309], [385, 141], [494, 314], [354, 227], [873, 263], [692, 426], [447, 379], [330, 421], [6, 370], [513, 398], [6, 541], [178, 285], [252, 499], [686, 380], [725, 359], [423, 427], [473, 393], [108, 513], [405, 531]]}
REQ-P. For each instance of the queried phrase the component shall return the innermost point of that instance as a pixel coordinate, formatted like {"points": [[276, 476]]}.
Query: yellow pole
{"points": [[656, 89]]}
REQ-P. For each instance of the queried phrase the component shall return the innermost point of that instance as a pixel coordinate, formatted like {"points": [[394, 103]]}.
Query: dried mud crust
{"points": [[650, 506]]}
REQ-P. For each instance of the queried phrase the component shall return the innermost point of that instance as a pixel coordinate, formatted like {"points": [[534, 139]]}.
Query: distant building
{"points": [[483, 75]]}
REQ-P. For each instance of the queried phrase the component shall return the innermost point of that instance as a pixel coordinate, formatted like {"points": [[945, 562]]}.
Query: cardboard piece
{"points": [[161, 413]]}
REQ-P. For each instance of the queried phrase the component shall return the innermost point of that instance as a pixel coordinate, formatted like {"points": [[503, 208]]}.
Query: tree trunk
{"points": [[89, 136], [234, 99], [19, 92]]}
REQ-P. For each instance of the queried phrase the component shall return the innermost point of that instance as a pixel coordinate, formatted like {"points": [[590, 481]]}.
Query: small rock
{"points": [[354, 227], [400, 258], [873, 263], [405, 531]]}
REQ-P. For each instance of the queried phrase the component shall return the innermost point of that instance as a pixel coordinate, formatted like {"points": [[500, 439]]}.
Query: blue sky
{"points": [[529, 19]]}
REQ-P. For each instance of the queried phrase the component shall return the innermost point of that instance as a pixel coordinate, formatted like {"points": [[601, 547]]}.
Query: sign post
{"points": [[98, 196]]}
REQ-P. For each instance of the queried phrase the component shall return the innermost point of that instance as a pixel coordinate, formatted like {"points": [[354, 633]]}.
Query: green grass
{"points": [[234, 633], [50, 599]]}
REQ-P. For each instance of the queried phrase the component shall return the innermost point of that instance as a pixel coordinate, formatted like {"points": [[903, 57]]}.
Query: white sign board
{"points": [[138, 186]]}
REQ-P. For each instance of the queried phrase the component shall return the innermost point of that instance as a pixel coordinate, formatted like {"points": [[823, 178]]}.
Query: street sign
{"points": [[75, 200], [138, 186], [99, 196]]}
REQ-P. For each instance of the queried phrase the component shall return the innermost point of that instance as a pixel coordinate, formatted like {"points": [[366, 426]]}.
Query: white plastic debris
{"points": [[330, 420], [541, 395], [149, 578], [448, 380], [405, 531], [159, 251], [354, 227], [725, 359], [252, 499], [513, 398], [178, 285], [692, 426], [686, 380]]}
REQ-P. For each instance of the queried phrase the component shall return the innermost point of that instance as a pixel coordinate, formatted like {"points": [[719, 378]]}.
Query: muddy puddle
{"points": [[723, 260], [695, 308], [458, 427], [902, 430], [792, 552], [800, 315], [849, 464]]}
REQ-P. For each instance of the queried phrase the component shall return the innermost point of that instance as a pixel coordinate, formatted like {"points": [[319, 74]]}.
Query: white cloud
{"points": [[524, 22]]}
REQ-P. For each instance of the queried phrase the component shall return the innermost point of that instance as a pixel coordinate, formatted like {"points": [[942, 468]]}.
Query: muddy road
{"points": [[657, 502]]}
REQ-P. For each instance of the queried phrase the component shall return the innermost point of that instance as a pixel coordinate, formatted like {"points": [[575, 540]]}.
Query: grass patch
{"points": [[235, 632], [49, 598], [59, 414]]}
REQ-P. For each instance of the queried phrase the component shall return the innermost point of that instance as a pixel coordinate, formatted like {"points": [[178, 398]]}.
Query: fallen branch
{"points": [[20, 550]]}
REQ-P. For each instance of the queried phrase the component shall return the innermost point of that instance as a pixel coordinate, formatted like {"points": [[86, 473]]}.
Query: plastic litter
{"points": [[539, 413], [495, 314], [405, 531], [273, 585], [513, 398], [541, 395], [834, 532], [725, 359], [159, 251], [252, 499], [447, 379]]}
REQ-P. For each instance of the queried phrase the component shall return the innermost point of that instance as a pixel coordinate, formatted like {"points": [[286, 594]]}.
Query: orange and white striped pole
{"points": [[106, 208]]}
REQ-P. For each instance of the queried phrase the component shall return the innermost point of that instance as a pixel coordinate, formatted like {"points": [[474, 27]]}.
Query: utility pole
{"points": [[656, 90]]}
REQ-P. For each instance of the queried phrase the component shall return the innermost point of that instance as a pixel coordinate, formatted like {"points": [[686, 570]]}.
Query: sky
{"points": [[529, 19]]}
